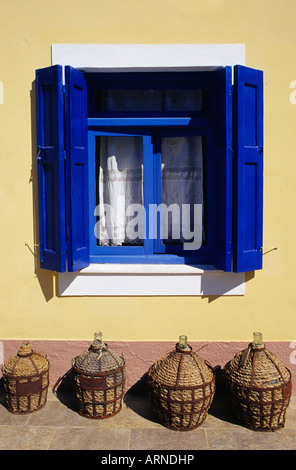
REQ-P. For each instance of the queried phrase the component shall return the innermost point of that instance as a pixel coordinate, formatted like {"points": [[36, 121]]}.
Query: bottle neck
{"points": [[257, 341], [98, 342], [182, 345], [25, 349]]}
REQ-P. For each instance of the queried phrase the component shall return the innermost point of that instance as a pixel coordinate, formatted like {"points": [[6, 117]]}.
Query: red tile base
{"points": [[140, 355]]}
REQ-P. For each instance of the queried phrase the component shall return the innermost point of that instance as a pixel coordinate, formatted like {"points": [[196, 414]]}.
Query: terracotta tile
{"points": [[216, 422], [77, 438], [291, 416], [59, 426], [57, 412], [51, 396], [290, 437], [53, 414], [245, 439], [128, 418], [25, 437], [165, 439], [8, 418]]}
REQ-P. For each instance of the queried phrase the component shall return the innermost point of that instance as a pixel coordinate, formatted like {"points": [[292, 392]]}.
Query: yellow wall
{"points": [[27, 30]]}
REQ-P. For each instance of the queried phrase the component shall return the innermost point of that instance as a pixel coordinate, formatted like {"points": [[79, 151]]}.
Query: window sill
{"points": [[150, 280], [146, 269]]}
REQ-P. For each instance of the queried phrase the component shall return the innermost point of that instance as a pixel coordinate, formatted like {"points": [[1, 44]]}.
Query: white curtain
{"points": [[120, 186], [182, 188]]}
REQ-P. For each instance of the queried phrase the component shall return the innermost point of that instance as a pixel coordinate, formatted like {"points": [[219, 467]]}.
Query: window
{"points": [[150, 167]]}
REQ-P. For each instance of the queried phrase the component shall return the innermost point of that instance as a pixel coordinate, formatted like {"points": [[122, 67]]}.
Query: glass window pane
{"points": [[131, 100], [182, 190], [119, 161], [150, 100], [183, 100]]}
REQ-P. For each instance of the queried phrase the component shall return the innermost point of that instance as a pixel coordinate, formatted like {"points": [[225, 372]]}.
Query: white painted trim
{"points": [[153, 280], [149, 280], [127, 57], [97, 268]]}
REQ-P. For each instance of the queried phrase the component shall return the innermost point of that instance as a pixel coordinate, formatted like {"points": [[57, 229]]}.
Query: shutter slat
{"points": [[50, 163], [248, 195], [223, 157], [77, 170]]}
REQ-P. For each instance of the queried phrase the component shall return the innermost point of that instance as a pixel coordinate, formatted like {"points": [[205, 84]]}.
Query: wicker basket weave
{"points": [[26, 380], [99, 379], [259, 388], [181, 388]]}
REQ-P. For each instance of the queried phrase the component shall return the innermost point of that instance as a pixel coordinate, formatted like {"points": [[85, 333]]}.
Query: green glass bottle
{"points": [[182, 342]]}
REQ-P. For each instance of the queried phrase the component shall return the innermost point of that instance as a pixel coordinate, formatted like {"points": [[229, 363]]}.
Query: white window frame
{"points": [[137, 279]]}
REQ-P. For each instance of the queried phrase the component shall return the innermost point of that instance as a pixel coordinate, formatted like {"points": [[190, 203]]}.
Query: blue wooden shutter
{"points": [[50, 161], [222, 256], [248, 174], [77, 170]]}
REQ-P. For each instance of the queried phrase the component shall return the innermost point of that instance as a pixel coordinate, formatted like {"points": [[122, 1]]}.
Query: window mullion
{"points": [[148, 191], [158, 245]]}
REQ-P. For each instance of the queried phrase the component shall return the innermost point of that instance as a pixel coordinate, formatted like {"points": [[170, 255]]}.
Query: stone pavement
{"points": [[58, 426]]}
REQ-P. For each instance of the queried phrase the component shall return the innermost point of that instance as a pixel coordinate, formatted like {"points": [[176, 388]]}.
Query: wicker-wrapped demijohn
{"points": [[259, 387], [26, 380], [99, 380], [181, 388]]}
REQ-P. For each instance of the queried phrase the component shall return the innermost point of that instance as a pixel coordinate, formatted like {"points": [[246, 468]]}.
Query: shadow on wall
{"points": [[248, 276], [45, 278]]}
